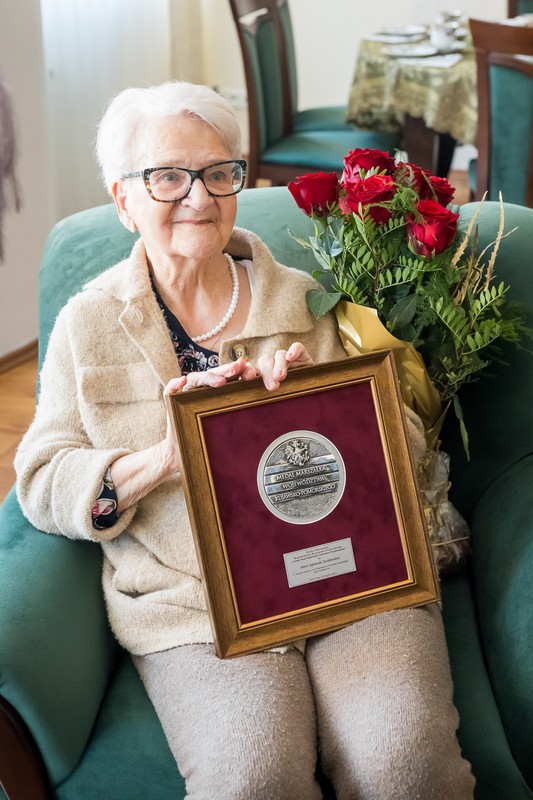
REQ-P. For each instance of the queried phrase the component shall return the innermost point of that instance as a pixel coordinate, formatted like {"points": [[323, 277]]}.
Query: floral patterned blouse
{"points": [[191, 358]]}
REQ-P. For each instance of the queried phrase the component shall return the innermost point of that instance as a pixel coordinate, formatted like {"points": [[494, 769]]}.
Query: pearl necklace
{"points": [[231, 308]]}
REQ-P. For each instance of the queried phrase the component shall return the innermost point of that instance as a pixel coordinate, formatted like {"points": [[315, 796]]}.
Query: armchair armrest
{"points": [[481, 734], [56, 649], [502, 535]]}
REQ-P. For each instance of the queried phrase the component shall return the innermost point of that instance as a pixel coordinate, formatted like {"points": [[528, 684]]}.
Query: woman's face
{"points": [[197, 227]]}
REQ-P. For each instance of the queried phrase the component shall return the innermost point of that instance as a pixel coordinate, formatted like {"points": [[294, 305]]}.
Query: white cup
{"points": [[442, 37]]}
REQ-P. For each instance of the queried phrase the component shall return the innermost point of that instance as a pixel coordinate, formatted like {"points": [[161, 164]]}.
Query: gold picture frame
{"points": [[345, 544]]}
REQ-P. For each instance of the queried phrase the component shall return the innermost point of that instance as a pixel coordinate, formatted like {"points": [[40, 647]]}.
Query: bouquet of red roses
{"points": [[385, 239]]}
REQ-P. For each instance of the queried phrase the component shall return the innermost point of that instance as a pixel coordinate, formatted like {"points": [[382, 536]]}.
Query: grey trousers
{"points": [[373, 701]]}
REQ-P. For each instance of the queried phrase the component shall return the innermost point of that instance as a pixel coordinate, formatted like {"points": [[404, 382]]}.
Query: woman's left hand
{"points": [[273, 369]]}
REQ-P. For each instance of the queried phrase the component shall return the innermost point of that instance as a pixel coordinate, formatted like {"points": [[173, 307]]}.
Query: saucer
{"points": [[403, 30]]}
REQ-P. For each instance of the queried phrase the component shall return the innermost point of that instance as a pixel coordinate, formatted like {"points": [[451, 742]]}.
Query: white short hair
{"points": [[132, 109]]}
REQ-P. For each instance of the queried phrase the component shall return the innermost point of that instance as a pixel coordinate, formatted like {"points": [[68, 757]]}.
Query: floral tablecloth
{"points": [[442, 92]]}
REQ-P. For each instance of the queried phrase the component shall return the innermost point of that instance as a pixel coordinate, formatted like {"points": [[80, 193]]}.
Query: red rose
{"points": [[368, 192], [366, 159], [415, 177], [444, 191], [428, 187], [315, 192], [434, 229]]}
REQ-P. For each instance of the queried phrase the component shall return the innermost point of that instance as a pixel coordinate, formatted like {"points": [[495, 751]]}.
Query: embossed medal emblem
{"points": [[301, 477]]}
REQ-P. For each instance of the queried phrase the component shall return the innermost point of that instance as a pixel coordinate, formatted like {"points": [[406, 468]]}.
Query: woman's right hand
{"points": [[218, 376]]}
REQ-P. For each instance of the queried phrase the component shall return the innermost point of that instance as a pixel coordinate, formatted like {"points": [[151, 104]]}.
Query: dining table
{"points": [[403, 83]]}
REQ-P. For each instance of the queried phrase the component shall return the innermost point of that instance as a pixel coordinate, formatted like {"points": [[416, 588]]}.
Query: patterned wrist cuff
{"points": [[104, 510]]}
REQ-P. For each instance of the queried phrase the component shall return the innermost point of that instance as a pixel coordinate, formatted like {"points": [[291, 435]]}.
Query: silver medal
{"points": [[301, 477]]}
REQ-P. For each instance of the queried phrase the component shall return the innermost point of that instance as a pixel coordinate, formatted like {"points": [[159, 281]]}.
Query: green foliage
{"points": [[319, 303]]}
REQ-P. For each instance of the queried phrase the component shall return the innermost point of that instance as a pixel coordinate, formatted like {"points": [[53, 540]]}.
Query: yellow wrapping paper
{"points": [[362, 332]]}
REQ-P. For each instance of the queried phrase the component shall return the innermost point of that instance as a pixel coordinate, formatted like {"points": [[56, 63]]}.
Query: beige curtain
{"points": [[93, 49], [8, 152]]}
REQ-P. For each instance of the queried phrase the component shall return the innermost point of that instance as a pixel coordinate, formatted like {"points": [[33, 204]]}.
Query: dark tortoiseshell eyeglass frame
{"points": [[193, 174]]}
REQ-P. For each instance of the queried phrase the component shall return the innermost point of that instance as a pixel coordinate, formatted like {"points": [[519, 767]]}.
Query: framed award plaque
{"points": [[303, 502]]}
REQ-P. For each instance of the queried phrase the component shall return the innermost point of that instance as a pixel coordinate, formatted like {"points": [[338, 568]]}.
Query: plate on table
{"points": [[389, 38], [403, 30], [420, 50], [410, 50]]}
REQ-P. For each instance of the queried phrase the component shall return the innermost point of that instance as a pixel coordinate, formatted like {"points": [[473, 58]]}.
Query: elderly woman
{"points": [[198, 303]]}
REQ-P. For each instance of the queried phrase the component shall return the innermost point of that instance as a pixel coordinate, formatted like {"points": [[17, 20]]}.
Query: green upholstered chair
{"points": [[505, 121], [284, 144], [75, 721], [515, 7]]}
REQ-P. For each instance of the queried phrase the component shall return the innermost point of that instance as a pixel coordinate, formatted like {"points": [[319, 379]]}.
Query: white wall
{"points": [[221, 51], [222, 62], [21, 65], [186, 48]]}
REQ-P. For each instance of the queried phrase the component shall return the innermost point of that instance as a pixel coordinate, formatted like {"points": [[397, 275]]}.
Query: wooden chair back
{"points": [[265, 72], [278, 12], [505, 115]]}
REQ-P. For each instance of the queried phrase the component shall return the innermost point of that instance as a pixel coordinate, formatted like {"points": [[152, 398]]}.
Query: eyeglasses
{"points": [[170, 184]]}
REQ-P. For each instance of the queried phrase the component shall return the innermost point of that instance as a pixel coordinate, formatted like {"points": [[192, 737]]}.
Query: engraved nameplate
{"points": [[319, 562]]}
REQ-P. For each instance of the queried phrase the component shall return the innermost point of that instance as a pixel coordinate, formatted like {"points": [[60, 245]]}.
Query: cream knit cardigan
{"points": [[108, 360]]}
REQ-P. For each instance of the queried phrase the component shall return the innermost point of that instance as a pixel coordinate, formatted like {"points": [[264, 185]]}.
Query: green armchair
{"points": [[75, 721]]}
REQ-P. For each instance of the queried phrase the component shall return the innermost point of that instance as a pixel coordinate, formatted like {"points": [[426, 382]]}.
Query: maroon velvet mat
{"points": [[256, 540]]}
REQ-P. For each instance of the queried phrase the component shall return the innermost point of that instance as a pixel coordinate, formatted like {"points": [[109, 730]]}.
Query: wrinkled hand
{"points": [[273, 369], [218, 376]]}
